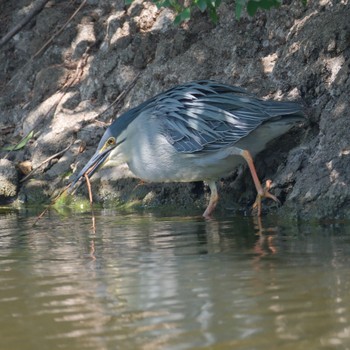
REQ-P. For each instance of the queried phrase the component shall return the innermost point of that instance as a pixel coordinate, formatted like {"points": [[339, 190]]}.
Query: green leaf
{"points": [[162, 3], [184, 15], [177, 20], [265, 4], [128, 2], [239, 6], [213, 14], [201, 4], [268, 4], [20, 144], [252, 7]]}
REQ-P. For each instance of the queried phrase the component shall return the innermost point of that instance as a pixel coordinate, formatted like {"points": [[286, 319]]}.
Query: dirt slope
{"points": [[59, 73]]}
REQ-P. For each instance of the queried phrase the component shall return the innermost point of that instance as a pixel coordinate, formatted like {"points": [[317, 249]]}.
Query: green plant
{"points": [[19, 145], [210, 6]]}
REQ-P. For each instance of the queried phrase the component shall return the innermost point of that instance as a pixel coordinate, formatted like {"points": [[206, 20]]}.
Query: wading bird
{"points": [[198, 131]]}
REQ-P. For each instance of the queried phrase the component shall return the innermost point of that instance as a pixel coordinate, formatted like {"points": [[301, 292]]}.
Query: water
{"points": [[144, 281]]}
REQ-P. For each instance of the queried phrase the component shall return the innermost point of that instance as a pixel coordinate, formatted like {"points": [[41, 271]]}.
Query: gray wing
{"points": [[206, 116]]}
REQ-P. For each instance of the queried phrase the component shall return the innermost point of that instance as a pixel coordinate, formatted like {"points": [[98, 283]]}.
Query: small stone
{"points": [[266, 43], [25, 167], [331, 45]]}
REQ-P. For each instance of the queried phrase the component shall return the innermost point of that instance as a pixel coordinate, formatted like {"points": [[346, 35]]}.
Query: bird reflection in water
{"points": [[265, 244]]}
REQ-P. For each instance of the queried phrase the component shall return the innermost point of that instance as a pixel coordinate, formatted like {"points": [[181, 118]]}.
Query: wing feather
{"points": [[205, 116]]}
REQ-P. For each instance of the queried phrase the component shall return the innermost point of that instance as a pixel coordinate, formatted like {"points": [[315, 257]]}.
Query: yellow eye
{"points": [[110, 141]]}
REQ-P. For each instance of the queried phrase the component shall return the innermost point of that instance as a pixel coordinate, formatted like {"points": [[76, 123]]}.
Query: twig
{"points": [[53, 201], [41, 214], [50, 40], [47, 160], [63, 90], [88, 184], [60, 30], [37, 8], [121, 96], [7, 129]]}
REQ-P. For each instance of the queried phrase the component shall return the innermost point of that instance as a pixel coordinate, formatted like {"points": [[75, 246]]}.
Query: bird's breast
{"points": [[154, 159]]}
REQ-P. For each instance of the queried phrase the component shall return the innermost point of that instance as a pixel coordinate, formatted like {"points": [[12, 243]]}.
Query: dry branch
{"points": [[37, 8]]}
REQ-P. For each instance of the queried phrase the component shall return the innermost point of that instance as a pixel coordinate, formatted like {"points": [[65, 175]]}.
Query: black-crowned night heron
{"points": [[199, 131]]}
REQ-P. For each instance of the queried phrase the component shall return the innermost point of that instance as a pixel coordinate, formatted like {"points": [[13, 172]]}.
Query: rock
{"points": [[8, 179], [34, 192]]}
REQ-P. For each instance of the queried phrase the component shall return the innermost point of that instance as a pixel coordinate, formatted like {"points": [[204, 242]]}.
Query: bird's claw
{"points": [[265, 194]]}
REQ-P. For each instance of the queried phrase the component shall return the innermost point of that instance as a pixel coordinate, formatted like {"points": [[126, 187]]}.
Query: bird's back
{"points": [[204, 116]]}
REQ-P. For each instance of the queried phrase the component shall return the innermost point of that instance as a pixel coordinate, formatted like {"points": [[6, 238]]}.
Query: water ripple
{"points": [[148, 282]]}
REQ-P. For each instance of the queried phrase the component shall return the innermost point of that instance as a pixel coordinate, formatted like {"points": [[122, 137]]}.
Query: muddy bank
{"points": [[78, 65]]}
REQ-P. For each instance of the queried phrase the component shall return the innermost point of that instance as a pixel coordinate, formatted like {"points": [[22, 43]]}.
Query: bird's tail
{"points": [[291, 110]]}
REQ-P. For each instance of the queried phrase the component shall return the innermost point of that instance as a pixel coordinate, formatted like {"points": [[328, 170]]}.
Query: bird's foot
{"points": [[214, 197], [264, 194], [209, 211]]}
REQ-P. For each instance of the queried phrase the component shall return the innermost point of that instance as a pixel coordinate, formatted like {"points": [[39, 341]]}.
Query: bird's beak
{"points": [[96, 161]]}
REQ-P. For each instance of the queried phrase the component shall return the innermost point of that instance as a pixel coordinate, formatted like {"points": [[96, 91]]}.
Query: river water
{"points": [[145, 281]]}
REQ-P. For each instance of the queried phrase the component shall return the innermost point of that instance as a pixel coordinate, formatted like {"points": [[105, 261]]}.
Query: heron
{"points": [[198, 131]]}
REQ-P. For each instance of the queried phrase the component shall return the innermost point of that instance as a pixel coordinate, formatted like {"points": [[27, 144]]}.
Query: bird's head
{"points": [[107, 150]]}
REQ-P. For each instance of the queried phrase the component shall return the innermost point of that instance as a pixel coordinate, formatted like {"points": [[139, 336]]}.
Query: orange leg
{"points": [[262, 193], [214, 197]]}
